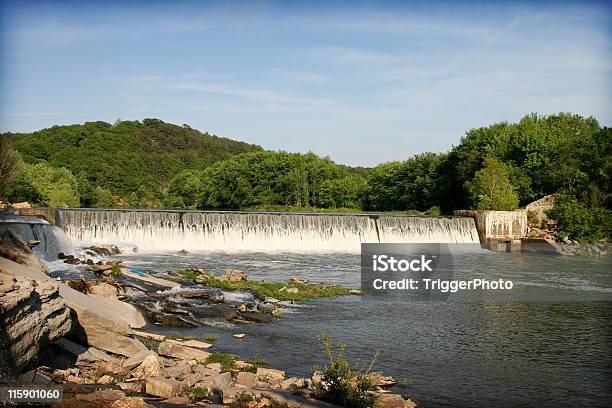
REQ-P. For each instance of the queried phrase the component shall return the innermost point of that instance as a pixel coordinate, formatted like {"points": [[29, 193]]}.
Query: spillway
{"points": [[151, 230]]}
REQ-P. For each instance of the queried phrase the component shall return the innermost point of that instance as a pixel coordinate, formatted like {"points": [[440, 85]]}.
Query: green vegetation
{"points": [[578, 221], [227, 360], [275, 289], [132, 160], [246, 400], [210, 338], [278, 178], [491, 188], [344, 383], [116, 270]]}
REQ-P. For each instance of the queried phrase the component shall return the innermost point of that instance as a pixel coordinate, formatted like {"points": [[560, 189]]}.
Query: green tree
{"points": [[49, 186], [491, 188], [104, 198]]}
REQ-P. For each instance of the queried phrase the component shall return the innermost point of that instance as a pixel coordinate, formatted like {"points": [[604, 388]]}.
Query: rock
{"points": [[355, 292], [106, 379], [130, 402], [14, 248], [152, 336], [179, 371], [245, 379], [34, 377], [163, 387], [233, 275], [214, 366], [230, 394], [270, 373], [134, 386], [393, 401], [255, 317], [169, 319], [379, 380], [293, 382], [149, 279], [136, 359], [293, 291], [197, 344], [151, 366], [32, 313], [218, 381], [242, 308], [23, 204], [101, 396], [103, 289], [177, 401], [183, 252], [179, 351], [104, 250]]}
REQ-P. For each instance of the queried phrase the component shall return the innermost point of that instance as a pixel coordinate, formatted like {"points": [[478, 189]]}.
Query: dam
{"points": [[162, 230]]}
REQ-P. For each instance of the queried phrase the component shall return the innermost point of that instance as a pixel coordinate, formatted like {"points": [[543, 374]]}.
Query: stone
{"points": [[214, 366], [101, 396], [177, 401], [233, 275], [103, 289], [149, 279], [152, 336], [230, 394], [21, 205], [293, 382], [151, 366], [192, 343], [389, 401], [14, 248], [270, 373], [106, 379], [245, 379], [133, 386], [130, 402], [104, 250], [179, 371], [32, 313], [239, 335], [242, 365], [136, 359], [181, 352], [293, 291], [163, 387], [219, 380]]}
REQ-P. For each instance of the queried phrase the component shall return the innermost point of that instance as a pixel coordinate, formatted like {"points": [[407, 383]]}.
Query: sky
{"points": [[361, 82]]}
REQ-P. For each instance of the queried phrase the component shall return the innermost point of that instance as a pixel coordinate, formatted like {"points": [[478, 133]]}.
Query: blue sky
{"points": [[362, 82]]}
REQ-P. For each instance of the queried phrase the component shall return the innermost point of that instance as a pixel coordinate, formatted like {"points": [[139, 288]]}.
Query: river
{"points": [[458, 352]]}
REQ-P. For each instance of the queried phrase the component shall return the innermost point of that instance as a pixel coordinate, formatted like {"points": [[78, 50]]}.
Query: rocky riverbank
{"points": [[89, 335]]}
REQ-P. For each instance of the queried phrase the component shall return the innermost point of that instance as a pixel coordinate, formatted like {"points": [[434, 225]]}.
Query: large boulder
{"points": [[32, 315], [14, 248], [173, 349]]}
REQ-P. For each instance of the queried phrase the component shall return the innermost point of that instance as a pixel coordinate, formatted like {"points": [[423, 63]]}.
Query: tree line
{"points": [[153, 164]]}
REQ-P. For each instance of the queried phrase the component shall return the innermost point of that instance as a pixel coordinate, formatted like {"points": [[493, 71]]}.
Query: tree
{"points": [[50, 186], [491, 188], [11, 167]]}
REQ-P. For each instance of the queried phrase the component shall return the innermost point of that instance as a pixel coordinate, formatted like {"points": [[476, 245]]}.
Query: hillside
{"points": [[128, 156]]}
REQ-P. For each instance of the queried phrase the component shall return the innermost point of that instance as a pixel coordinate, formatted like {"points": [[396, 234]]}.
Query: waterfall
{"points": [[151, 230]]}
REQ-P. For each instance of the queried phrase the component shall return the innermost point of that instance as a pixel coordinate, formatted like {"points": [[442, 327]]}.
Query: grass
{"points": [[227, 360], [197, 394], [271, 289], [187, 274], [246, 400], [149, 343], [210, 338], [116, 270]]}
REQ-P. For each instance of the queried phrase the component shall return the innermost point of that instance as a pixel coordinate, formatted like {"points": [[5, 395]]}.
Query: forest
{"points": [[158, 165]]}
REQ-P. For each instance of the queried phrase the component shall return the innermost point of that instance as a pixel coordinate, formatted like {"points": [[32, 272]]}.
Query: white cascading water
{"points": [[237, 231]]}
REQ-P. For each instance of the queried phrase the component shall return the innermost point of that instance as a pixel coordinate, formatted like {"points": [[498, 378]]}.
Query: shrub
{"points": [[576, 221], [227, 360], [344, 383]]}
